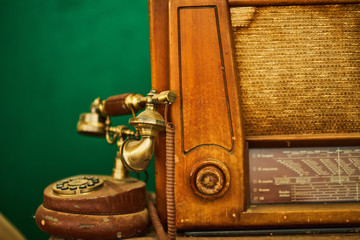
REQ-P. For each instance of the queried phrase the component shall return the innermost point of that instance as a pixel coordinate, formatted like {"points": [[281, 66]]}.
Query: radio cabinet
{"points": [[262, 86]]}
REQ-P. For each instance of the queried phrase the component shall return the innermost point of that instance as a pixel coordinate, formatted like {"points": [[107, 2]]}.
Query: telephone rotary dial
{"points": [[77, 185]]}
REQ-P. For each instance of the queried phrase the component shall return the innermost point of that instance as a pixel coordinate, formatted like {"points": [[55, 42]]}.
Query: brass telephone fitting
{"points": [[137, 153], [135, 147]]}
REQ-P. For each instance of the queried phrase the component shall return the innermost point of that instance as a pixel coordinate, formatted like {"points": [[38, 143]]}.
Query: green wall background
{"points": [[56, 56]]}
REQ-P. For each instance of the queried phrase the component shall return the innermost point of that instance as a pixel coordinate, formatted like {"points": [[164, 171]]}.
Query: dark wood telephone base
{"points": [[82, 226], [112, 197], [94, 207]]}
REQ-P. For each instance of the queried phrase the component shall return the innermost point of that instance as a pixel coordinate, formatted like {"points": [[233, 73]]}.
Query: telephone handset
{"points": [[108, 207]]}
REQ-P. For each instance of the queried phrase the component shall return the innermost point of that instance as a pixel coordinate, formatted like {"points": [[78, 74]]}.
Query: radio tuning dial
{"points": [[210, 178]]}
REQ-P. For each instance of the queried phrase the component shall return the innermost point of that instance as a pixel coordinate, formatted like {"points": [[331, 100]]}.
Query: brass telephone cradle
{"points": [[108, 207], [135, 148]]}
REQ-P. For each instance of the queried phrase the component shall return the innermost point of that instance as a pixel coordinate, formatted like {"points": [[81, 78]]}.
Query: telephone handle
{"points": [[130, 103], [121, 104]]}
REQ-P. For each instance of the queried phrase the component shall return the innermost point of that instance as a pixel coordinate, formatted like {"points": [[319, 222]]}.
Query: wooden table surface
{"points": [[347, 236], [343, 236], [151, 235]]}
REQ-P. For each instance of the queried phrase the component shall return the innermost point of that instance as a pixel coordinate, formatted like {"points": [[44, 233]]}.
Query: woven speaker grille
{"points": [[299, 68]]}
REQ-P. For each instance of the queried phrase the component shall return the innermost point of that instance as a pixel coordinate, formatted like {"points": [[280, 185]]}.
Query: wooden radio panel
{"points": [[249, 76]]}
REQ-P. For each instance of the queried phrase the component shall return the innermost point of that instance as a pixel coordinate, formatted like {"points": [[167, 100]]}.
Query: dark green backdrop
{"points": [[56, 56]]}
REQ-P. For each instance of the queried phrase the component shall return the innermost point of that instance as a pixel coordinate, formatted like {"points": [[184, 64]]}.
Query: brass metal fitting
{"points": [[135, 147]]}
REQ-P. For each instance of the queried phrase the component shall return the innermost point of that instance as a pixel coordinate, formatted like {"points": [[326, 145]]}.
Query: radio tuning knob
{"points": [[210, 178]]}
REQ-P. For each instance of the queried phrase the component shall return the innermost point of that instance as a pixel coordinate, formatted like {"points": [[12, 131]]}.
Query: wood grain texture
{"points": [[351, 236], [82, 226], [203, 87], [301, 215], [243, 3], [207, 121], [113, 198], [201, 70], [340, 236], [159, 52]]}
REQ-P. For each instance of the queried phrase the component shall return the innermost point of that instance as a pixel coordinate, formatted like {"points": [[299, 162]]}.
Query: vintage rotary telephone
{"points": [[108, 207]]}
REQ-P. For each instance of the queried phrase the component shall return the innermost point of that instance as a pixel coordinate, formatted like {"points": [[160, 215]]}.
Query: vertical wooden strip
{"points": [[202, 73], [203, 87], [159, 50]]}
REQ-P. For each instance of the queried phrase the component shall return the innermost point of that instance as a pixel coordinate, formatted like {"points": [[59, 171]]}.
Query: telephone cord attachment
{"points": [[170, 175], [170, 186]]}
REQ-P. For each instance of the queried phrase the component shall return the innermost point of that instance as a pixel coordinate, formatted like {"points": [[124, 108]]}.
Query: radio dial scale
{"points": [[299, 175]]}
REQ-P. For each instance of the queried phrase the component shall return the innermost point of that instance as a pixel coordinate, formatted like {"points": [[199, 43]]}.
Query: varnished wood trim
{"points": [[159, 44], [270, 208], [300, 215], [221, 57], [248, 3], [304, 137], [218, 212], [159, 54], [304, 140]]}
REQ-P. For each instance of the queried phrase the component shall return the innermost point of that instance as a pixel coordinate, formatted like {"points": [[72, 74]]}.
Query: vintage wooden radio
{"points": [[266, 117], [267, 120]]}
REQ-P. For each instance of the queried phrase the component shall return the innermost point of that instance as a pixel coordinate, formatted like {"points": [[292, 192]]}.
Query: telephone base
{"points": [[94, 207], [82, 226]]}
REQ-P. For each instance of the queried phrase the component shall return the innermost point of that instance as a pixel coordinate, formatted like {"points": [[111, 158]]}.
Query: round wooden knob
{"points": [[210, 178]]}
